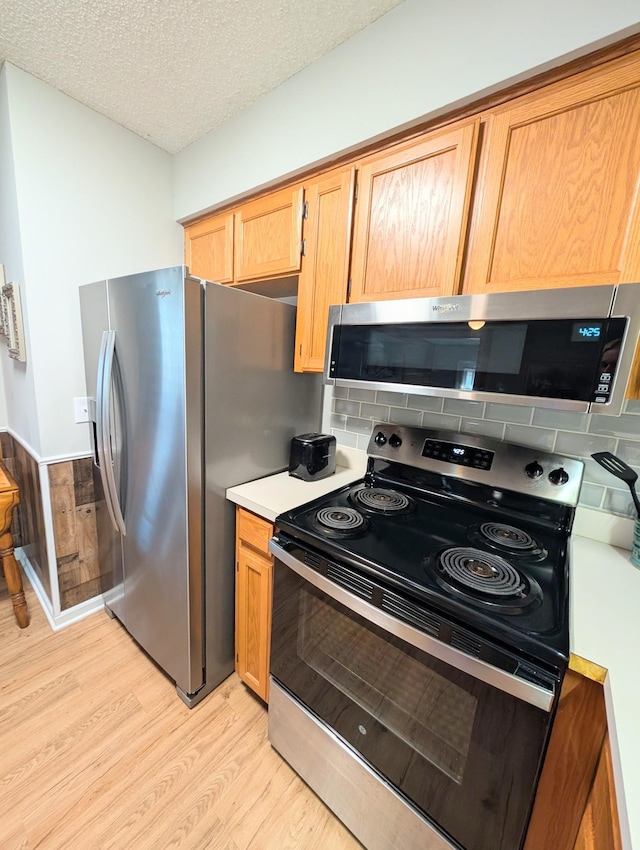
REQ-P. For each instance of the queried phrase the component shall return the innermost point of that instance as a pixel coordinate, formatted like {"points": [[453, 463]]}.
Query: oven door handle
{"points": [[502, 680]]}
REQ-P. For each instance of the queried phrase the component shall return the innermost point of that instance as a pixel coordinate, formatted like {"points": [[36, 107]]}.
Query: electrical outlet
{"points": [[81, 409]]}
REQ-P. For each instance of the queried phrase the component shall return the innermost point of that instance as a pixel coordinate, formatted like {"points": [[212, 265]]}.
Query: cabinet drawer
{"points": [[254, 531]]}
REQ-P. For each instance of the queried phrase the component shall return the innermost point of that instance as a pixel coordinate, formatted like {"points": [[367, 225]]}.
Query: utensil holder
{"points": [[635, 549]]}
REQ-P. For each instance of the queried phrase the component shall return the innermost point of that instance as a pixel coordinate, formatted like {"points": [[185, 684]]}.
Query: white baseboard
{"points": [[61, 619], [50, 458]]}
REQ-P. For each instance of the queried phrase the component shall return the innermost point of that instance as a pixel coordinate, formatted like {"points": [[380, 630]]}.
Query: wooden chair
{"points": [[9, 498]]}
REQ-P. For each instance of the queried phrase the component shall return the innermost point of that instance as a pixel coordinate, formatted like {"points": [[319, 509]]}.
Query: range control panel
{"points": [[458, 453], [545, 475]]}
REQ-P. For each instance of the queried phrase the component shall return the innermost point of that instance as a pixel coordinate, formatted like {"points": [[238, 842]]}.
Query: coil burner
{"points": [[382, 501], [341, 519], [507, 538], [488, 578]]}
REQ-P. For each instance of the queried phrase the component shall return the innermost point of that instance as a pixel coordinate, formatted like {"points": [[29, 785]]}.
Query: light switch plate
{"points": [[81, 409]]}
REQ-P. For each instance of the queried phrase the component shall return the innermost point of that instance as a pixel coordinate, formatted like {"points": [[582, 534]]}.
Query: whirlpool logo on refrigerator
{"points": [[161, 293]]}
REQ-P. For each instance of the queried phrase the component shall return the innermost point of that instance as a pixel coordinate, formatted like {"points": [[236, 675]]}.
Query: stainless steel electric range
{"points": [[420, 636]]}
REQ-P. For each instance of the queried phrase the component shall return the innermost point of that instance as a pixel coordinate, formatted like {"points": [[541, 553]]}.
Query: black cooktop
{"points": [[466, 550]]}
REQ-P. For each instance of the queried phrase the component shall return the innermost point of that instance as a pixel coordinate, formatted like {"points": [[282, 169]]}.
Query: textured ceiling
{"points": [[172, 70]]}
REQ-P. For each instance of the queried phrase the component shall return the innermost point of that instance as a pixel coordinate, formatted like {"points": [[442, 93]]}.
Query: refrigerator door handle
{"points": [[103, 434]]}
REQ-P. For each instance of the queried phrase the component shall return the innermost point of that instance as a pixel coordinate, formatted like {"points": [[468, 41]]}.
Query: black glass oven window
{"points": [[432, 715], [548, 358], [464, 753]]}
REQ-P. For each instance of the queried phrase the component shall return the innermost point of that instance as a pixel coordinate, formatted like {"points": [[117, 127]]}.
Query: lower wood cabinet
{"points": [[575, 806], [254, 583], [599, 827]]}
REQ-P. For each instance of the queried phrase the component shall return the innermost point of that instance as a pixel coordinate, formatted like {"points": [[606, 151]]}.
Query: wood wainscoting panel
{"points": [[28, 517], [73, 504], [63, 508]]}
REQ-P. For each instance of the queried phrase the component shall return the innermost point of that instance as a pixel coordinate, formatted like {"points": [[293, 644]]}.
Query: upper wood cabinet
{"points": [[542, 191], [209, 248], [325, 267], [411, 217], [268, 236], [557, 192]]}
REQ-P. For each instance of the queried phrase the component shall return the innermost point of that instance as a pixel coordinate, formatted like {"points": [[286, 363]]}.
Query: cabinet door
{"points": [[570, 762], [254, 581], [325, 265], [599, 828], [268, 236], [208, 248], [557, 199], [411, 217]]}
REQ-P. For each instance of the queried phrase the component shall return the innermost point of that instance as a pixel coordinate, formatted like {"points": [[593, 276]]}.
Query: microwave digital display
{"points": [[586, 332]]}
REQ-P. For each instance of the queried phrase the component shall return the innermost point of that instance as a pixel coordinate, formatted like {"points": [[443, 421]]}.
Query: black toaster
{"points": [[312, 456]]}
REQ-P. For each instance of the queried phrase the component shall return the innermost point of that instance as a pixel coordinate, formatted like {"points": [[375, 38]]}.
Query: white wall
{"points": [[19, 381], [94, 200], [415, 61]]}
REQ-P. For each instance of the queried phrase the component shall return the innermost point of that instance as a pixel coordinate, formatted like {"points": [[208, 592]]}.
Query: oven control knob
{"points": [[379, 439], [558, 476], [533, 469], [394, 441]]}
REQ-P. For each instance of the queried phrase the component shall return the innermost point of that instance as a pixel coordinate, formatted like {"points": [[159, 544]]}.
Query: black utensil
{"points": [[620, 469]]}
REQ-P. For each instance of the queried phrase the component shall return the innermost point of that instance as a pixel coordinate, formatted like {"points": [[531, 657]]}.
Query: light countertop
{"points": [[605, 629], [278, 493], [604, 616]]}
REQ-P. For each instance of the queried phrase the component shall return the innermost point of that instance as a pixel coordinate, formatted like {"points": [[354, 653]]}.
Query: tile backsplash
{"points": [[353, 412]]}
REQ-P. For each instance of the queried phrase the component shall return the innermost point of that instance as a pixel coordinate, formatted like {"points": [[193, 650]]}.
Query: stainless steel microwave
{"points": [[568, 349]]}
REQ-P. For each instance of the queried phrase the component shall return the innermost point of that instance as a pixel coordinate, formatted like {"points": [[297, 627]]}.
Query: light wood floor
{"points": [[97, 751]]}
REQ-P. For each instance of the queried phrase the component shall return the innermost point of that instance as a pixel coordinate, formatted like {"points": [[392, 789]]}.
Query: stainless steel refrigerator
{"points": [[194, 393]]}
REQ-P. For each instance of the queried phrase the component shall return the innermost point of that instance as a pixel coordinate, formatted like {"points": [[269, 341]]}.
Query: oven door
{"points": [[458, 740]]}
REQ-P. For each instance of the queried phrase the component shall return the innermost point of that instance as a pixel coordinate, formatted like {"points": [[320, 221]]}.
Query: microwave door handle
{"points": [[487, 673], [103, 431]]}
